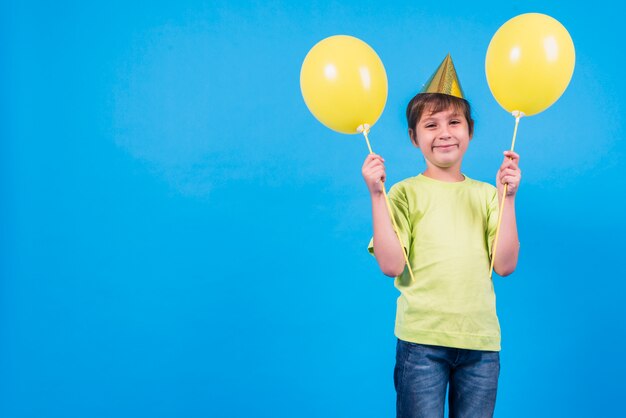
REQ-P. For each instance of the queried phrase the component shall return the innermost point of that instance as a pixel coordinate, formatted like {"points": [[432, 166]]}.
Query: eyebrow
{"points": [[429, 117]]}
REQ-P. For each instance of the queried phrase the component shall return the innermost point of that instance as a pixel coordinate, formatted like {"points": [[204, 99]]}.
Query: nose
{"points": [[444, 133]]}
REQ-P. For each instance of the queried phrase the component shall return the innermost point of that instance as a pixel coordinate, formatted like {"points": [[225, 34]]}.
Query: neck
{"points": [[449, 174]]}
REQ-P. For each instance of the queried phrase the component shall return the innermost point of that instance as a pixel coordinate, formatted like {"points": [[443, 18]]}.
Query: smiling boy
{"points": [[446, 323]]}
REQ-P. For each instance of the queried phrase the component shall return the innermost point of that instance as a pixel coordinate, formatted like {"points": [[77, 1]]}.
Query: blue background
{"points": [[181, 238]]}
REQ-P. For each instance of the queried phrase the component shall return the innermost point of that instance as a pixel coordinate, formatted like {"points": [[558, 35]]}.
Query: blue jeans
{"points": [[423, 372]]}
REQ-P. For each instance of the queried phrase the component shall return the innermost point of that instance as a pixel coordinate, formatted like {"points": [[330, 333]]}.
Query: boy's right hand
{"points": [[374, 173]]}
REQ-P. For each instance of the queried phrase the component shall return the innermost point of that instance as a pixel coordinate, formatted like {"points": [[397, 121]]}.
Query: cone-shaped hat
{"points": [[444, 80]]}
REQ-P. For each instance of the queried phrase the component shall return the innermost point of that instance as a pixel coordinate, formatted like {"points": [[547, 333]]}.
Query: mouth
{"points": [[445, 147]]}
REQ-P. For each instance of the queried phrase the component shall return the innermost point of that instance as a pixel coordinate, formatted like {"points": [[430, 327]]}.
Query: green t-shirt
{"points": [[448, 229]]}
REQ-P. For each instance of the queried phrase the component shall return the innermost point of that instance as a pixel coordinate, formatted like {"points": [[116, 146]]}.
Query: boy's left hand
{"points": [[509, 173]]}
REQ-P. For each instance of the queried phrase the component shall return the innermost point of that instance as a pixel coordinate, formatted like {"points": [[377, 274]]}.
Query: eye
{"points": [[430, 125], [455, 122]]}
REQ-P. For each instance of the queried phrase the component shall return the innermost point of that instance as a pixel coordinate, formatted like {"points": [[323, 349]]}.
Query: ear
{"points": [[471, 130], [413, 137]]}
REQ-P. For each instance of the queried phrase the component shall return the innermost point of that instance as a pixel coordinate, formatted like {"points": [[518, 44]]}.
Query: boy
{"points": [[446, 323]]}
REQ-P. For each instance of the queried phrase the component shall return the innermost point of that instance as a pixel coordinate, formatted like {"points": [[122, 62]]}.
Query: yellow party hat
{"points": [[444, 80]]}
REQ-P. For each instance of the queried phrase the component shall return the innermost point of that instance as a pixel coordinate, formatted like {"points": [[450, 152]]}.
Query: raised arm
{"points": [[508, 241], [387, 247]]}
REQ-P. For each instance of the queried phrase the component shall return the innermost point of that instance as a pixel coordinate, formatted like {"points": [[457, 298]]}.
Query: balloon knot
{"points": [[363, 128]]}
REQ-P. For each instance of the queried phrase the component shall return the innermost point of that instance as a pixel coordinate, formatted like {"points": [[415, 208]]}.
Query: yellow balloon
{"points": [[343, 83], [529, 63]]}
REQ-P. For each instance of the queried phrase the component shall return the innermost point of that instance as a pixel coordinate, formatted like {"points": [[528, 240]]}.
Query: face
{"points": [[442, 137]]}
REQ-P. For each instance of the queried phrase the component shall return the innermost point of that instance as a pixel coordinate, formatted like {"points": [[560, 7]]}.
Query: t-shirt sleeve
{"points": [[400, 209], [492, 218]]}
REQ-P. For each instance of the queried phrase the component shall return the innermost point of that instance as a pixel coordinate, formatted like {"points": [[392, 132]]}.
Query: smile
{"points": [[445, 147]]}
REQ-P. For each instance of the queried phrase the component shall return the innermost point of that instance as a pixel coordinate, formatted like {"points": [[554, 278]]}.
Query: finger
{"points": [[377, 166], [368, 166], [512, 155], [509, 164], [508, 160], [375, 169], [375, 174], [510, 172], [372, 157], [510, 180], [510, 189], [370, 160]]}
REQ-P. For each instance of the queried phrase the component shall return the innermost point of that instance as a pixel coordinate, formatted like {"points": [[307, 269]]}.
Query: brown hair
{"points": [[436, 102]]}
